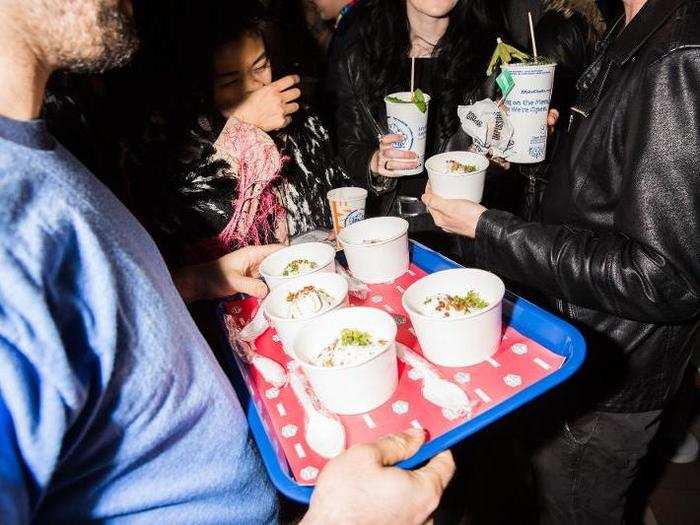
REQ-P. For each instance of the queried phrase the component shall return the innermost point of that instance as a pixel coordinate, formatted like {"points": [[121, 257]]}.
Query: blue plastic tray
{"points": [[531, 321]]}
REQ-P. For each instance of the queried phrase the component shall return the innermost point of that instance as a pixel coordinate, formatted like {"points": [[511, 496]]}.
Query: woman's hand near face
{"points": [[387, 160], [270, 107]]}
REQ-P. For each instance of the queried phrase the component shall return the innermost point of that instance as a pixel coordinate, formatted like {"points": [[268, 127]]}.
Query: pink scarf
{"points": [[257, 164]]}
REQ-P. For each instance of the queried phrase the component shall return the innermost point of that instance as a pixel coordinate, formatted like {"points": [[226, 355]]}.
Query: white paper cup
{"points": [[353, 389], [457, 341], [450, 185], [412, 123], [376, 249], [347, 206], [275, 306], [528, 105], [274, 264]]}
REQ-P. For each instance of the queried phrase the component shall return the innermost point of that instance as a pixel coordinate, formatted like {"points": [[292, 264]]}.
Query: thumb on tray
{"points": [[396, 447]]}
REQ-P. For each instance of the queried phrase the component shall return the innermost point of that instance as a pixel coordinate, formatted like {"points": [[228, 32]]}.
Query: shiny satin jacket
{"points": [[618, 249]]}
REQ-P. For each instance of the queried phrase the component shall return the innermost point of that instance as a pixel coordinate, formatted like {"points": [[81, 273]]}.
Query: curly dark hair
{"points": [[462, 53]]}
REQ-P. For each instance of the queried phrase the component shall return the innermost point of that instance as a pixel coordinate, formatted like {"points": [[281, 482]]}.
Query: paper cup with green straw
{"points": [[528, 106], [527, 95]]}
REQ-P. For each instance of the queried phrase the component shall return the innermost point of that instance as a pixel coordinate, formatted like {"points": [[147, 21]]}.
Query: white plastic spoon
{"points": [[323, 431], [257, 325], [436, 390], [271, 371]]}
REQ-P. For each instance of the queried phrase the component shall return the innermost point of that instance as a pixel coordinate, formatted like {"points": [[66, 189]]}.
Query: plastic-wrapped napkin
{"points": [[488, 125]]}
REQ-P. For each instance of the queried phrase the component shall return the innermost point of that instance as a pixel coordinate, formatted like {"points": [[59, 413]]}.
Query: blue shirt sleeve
{"points": [[34, 389], [14, 504]]}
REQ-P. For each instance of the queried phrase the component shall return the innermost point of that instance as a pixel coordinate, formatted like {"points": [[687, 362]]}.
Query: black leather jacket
{"points": [[618, 248]]}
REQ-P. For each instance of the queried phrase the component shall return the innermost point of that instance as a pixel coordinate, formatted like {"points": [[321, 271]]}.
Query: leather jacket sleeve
{"points": [[647, 267], [355, 130]]}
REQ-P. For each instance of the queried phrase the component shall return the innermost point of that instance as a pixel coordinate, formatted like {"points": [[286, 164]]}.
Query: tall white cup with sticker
{"points": [[528, 106]]}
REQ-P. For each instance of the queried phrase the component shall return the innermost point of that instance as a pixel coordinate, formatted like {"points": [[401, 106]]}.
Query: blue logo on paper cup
{"points": [[399, 127], [355, 216], [538, 143], [536, 152]]}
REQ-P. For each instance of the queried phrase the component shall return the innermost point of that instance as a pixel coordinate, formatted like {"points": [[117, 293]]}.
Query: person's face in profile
{"points": [[433, 8], [240, 67]]}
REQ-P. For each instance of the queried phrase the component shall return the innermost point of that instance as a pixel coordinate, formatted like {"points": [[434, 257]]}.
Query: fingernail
{"points": [[416, 432]]}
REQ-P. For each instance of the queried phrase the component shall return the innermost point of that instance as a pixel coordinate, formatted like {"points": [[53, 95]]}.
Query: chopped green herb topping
{"points": [[294, 267], [460, 303], [457, 167], [350, 337], [470, 301]]}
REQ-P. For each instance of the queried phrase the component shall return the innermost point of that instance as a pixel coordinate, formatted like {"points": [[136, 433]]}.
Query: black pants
{"points": [[584, 472]]}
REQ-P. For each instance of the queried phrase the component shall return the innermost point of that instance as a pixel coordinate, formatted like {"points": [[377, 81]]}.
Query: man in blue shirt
{"points": [[112, 407]]}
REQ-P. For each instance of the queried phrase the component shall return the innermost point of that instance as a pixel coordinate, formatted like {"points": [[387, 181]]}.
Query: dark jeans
{"points": [[585, 471]]}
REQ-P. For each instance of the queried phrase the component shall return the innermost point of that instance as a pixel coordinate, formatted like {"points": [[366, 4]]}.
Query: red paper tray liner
{"points": [[519, 363]]}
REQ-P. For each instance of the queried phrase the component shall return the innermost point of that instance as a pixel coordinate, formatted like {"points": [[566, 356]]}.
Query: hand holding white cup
{"points": [[387, 160]]}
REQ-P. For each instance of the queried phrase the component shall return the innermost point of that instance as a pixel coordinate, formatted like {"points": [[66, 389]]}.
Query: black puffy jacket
{"points": [[618, 247]]}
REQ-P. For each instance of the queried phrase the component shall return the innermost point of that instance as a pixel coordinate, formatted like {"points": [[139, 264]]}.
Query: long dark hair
{"points": [[462, 53]]}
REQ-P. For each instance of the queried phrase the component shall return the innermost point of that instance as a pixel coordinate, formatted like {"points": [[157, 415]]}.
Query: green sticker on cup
{"points": [[505, 82]]}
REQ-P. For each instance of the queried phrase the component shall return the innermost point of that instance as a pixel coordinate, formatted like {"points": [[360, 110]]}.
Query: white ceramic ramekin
{"points": [[276, 311], [353, 389], [457, 341], [457, 185], [274, 264], [376, 249]]}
